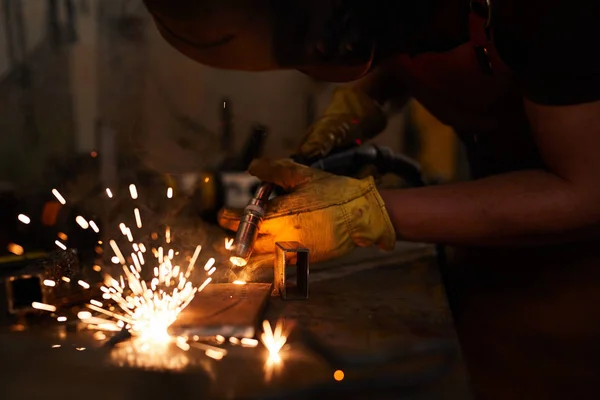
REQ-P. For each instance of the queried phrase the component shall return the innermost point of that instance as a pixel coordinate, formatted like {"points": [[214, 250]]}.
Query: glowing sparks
{"points": [[96, 303], [43, 306], [273, 340], [228, 243], [145, 306], [214, 354], [238, 282], [16, 249], [59, 197], [209, 264], [138, 217], [94, 227], [149, 307], [24, 219], [247, 342], [82, 222], [83, 315], [117, 251], [133, 191], [238, 261], [83, 284]]}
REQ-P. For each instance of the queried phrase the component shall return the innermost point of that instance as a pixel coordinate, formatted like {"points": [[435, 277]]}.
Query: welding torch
{"points": [[346, 163]]}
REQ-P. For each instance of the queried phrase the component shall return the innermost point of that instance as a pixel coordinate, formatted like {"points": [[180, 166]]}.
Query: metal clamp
{"points": [[286, 253]]}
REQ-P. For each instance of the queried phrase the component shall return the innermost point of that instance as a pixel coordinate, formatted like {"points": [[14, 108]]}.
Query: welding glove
{"points": [[329, 214], [351, 118]]}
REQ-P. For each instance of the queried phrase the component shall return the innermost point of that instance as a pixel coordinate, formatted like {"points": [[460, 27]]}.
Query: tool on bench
{"points": [[345, 163]]}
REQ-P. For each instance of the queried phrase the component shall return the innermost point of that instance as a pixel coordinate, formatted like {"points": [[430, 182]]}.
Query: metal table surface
{"points": [[364, 304]]}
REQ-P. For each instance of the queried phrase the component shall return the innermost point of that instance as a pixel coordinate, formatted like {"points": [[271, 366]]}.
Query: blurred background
{"points": [[91, 97]]}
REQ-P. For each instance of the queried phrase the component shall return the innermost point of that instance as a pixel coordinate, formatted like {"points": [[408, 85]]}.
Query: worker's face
{"points": [[272, 35]]}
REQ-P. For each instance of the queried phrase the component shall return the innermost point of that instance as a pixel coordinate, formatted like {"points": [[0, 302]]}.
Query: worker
{"points": [[520, 84]]}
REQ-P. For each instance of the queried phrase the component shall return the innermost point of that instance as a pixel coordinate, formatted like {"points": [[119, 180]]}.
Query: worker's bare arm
{"points": [[559, 204]]}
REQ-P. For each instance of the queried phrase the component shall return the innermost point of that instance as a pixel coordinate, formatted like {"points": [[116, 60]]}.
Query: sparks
{"points": [[109, 193], [49, 283], [170, 193], [138, 217], [24, 219], [149, 308], [15, 249], [83, 284], [133, 191], [82, 222], [60, 244], [59, 197], [43, 306], [94, 227], [273, 340]]}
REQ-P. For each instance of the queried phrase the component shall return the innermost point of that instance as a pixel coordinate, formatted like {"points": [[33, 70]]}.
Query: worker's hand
{"points": [[351, 117], [329, 214]]}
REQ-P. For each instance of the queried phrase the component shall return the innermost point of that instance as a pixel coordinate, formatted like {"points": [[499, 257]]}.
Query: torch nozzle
{"points": [[249, 226]]}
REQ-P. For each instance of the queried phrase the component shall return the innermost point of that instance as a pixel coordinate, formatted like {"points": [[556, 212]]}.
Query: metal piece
{"points": [[286, 253], [250, 225], [225, 309]]}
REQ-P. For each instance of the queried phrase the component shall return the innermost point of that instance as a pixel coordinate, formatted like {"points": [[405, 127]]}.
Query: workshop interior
{"points": [[117, 154]]}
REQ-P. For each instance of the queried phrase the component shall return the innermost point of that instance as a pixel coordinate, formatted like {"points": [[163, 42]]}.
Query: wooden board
{"points": [[224, 309]]}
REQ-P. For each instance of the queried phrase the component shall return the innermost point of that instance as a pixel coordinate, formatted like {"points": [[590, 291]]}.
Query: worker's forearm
{"points": [[528, 207]]}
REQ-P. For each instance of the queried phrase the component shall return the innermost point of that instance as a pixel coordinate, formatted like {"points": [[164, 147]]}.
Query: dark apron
{"points": [[528, 319]]}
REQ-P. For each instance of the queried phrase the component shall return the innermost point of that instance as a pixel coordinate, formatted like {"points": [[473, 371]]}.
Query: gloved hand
{"points": [[329, 214], [351, 116]]}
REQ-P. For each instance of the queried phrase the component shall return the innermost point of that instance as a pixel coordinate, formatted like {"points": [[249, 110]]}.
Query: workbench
{"points": [[360, 304]]}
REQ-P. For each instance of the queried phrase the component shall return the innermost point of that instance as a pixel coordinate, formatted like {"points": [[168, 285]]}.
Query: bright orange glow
{"points": [[15, 249], [238, 261], [338, 375]]}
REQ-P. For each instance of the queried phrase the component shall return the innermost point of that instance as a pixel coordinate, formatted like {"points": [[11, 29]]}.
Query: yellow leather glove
{"points": [[329, 214], [350, 117]]}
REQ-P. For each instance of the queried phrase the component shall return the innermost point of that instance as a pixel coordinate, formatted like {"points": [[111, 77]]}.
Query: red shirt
{"points": [[541, 50]]}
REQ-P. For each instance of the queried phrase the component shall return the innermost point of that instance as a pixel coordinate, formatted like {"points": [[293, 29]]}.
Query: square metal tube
{"points": [[285, 253]]}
